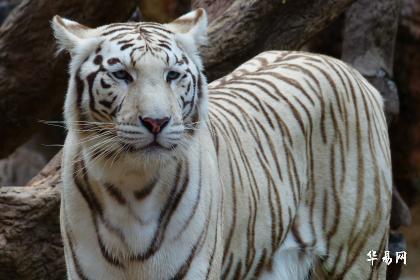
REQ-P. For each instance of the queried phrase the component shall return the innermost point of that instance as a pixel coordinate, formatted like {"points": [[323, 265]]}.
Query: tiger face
{"points": [[135, 88]]}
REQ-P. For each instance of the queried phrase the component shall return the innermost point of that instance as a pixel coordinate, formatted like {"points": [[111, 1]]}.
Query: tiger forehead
{"points": [[144, 38], [148, 32]]}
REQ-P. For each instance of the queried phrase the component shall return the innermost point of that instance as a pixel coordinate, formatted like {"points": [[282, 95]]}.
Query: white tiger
{"points": [[281, 165]]}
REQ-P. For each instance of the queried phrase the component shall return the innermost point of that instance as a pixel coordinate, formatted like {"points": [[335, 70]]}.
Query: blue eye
{"points": [[123, 75], [172, 75]]}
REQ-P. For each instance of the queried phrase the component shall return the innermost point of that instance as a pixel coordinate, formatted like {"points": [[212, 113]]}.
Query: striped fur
{"points": [[280, 166]]}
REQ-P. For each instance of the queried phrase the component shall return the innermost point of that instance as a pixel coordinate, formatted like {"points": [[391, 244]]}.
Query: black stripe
{"points": [[115, 193], [145, 191]]}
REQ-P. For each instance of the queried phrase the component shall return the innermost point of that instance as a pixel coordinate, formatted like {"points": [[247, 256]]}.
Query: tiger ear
{"points": [[69, 34], [193, 25]]}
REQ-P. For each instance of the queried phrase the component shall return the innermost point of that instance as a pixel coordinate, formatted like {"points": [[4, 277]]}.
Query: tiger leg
{"points": [[290, 262], [71, 271], [350, 261], [70, 268]]}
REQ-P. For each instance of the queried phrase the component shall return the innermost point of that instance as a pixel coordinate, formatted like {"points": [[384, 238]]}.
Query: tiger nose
{"points": [[154, 125]]}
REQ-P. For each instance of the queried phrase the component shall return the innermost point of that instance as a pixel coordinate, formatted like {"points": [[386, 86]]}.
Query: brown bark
{"points": [[370, 32], [163, 10], [30, 241], [32, 79], [6, 6], [405, 131]]}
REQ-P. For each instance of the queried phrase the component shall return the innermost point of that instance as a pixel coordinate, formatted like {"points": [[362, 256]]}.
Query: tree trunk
{"points": [[163, 10], [30, 241], [405, 131], [370, 32]]}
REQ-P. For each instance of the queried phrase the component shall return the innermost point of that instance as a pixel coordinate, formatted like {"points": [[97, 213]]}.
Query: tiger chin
{"points": [[279, 167]]}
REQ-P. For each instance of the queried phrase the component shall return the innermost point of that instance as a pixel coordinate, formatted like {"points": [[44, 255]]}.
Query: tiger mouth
{"points": [[154, 145], [151, 147]]}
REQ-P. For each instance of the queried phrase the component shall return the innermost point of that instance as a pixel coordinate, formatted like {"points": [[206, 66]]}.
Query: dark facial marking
{"points": [[106, 103], [91, 79], [79, 88], [98, 59], [123, 47], [185, 59], [124, 41], [126, 28], [104, 85], [113, 61], [188, 88], [165, 46]]}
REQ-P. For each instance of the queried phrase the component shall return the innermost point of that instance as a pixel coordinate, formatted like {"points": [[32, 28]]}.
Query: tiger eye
{"points": [[123, 75], [172, 75]]}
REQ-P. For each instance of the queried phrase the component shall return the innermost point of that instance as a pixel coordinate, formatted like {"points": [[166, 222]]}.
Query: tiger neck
{"points": [[130, 178], [153, 206]]}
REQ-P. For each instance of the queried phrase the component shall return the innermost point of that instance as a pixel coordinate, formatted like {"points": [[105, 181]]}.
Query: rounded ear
{"points": [[68, 33], [193, 24]]}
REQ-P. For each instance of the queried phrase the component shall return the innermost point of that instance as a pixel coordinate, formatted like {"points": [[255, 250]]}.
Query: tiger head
{"points": [[135, 88]]}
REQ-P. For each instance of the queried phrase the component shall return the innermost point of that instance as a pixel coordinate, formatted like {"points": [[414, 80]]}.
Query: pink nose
{"points": [[155, 125]]}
